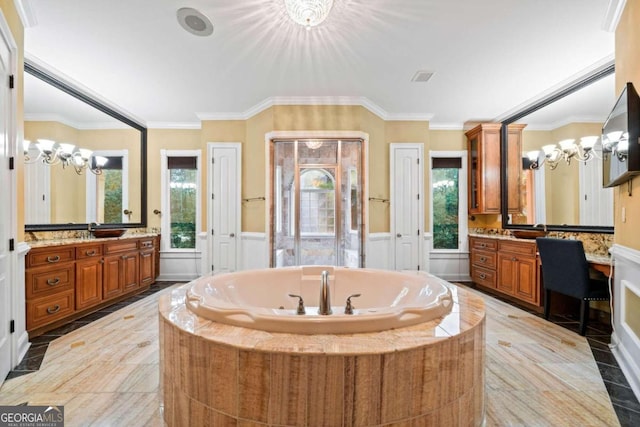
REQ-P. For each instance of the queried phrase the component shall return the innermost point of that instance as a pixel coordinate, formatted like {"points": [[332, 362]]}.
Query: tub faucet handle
{"points": [[348, 308], [301, 309]]}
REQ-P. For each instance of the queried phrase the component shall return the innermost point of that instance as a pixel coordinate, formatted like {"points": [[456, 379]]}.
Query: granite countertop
{"points": [[77, 240]]}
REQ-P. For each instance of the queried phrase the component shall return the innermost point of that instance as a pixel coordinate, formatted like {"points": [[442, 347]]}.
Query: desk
{"points": [[600, 263]]}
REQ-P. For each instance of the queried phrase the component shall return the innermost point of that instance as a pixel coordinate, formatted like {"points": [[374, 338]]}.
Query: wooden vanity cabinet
{"points": [[483, 146], [68, 281], [506, 266]]}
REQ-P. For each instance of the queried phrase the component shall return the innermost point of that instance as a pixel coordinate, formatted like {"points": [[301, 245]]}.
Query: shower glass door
{"points": [[317, 203]]}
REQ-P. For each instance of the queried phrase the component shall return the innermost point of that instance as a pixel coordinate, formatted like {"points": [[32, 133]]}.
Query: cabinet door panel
{"points": [[111, 278], [526, 285], [507, 273], [131, 276], [88, 283], [147, 268]]}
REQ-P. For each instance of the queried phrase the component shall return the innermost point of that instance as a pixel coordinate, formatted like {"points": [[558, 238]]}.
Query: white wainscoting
{"points": [[450, 266], [426, 252], [180, 266], [255, 251], [378, 251], [20, 343], [625, 339]]}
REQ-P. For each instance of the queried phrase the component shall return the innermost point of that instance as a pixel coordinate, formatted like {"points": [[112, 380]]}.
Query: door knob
{"points": [[232, 235], [398, 235]]}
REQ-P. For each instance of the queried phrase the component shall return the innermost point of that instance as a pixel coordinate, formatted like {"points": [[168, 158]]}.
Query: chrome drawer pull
{"points": [[54, 259], [483, 245], [54, 309], [90, 253], [483, 259], [53, 282]]}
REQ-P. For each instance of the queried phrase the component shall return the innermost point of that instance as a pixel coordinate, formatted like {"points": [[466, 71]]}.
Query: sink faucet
{"points": [[544, 226], [92, 226], [324, 307]]}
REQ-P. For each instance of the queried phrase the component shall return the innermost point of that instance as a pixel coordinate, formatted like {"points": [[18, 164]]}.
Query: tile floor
{"points": [[77, 370]]}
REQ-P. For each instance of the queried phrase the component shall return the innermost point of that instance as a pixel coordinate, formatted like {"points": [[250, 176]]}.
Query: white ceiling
{"points": [[489, 57]]}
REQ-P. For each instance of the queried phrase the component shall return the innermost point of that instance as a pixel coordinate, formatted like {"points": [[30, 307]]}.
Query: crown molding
{"points": [[446, 126], [314, 100], [26, 13], [612, 17], [175, 125], [47, 117]]}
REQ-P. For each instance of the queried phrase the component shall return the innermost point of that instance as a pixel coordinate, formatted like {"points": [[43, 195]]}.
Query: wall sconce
{"points": [[617, 143], [566, 150], [52, 153]]}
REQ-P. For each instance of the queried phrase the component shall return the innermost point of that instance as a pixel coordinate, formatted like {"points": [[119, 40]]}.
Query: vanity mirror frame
{"points": [[83, 97], [504, 150]]}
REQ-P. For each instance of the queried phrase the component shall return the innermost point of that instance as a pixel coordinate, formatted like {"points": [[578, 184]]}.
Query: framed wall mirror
{"points": [[60, 196], [560, 178]]}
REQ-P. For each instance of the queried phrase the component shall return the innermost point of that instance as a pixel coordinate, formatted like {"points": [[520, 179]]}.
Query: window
{"points": [[110, 190], [181, 198], [317, 202], [448, 192]]}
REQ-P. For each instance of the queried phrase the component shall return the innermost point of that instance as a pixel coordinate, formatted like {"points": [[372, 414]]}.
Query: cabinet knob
{"points": [[514, 259], [54, 309], [124, 257], [53, 282], [483, 245], [101, 261], [53, 259]]}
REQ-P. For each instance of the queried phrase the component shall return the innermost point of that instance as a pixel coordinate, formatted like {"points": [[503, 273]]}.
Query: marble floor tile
{"points": [[537, 373]]}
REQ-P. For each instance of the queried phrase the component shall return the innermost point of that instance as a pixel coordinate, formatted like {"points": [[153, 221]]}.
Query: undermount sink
{"points": [[108, 232], [528, 234]]}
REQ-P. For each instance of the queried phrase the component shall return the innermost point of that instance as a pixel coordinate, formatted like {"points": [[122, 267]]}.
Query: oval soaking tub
{"points": [[269, 299]]}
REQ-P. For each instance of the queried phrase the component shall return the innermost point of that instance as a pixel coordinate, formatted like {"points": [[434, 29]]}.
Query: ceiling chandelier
{"points": [[52, 153], [308, 13], [566, 150]]}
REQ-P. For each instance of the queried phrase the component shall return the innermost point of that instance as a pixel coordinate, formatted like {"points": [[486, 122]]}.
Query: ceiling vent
{"points": [[422, 76], [194, 22]]}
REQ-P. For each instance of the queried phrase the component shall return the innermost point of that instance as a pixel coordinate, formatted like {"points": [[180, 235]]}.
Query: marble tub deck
{"points": [[106, 373]]}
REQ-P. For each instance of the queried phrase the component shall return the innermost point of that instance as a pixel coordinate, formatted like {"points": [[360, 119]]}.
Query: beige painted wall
{"points": [[628, 70]]}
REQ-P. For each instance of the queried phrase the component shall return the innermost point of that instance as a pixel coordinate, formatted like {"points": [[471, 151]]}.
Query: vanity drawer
{"points": [[484, 259], [484, 244], [49, 309], [46, 281], [88, 251], [518, 247], [146, 243], [483, 277], [50, 256], [121, 246]]}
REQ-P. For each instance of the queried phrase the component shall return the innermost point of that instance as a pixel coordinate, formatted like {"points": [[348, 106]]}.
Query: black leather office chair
{"points": [[565, 270]]}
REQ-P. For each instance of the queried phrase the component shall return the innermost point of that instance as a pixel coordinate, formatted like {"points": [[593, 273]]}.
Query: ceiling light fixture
{"points": [[194, 22], [308, 13]]}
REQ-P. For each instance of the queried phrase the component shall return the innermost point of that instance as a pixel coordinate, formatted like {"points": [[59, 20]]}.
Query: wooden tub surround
{"points": [[430, 374]]}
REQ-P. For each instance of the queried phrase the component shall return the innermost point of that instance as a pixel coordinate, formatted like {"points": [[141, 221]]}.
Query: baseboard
{"points": [[23, 345]]}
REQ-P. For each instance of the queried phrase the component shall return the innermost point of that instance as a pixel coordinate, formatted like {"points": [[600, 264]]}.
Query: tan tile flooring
{"points": [[106, 373]]}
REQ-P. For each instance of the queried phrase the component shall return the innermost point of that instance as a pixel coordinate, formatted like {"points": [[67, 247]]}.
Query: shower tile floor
{"points": [[104, 370]]}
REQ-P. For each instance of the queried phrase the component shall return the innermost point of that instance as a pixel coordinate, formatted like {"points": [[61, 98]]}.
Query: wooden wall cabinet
{"points": [[483, 146], [68, 281], [506, 266]]}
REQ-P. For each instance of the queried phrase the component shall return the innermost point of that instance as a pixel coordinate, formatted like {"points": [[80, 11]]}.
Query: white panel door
{"points": [[596, 202], [406, 205], [5, 212], [37, 191], [225, 207]]}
